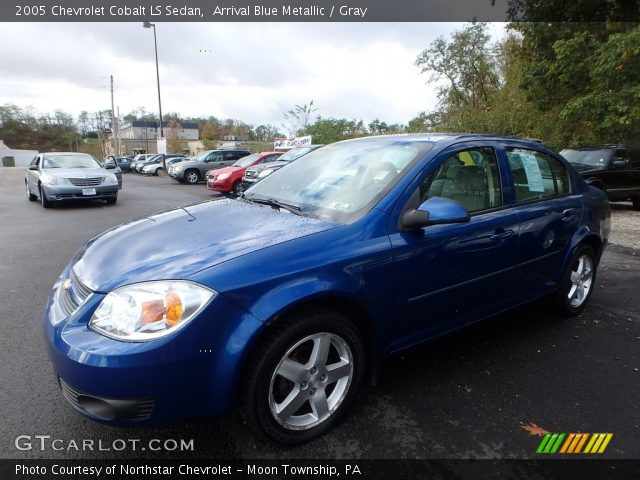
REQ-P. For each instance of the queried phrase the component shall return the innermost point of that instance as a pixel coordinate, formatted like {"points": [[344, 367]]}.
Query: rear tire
{"points": [[192, 177], [636, 203], [303, 376], [577, 282], [43, 198]]}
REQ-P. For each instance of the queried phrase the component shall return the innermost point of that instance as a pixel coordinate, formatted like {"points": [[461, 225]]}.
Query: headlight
{"points": [[50, 180], [265, 173], [111, 178], [224, 176], [179, 169], [150, 310]]}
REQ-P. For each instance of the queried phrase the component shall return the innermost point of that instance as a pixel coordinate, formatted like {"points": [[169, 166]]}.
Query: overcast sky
{"points": [[253, 72]]}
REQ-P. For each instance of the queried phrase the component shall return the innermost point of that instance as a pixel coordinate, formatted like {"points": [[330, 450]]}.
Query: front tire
{"points": [[577, 283], [237, 188], [636, 203], [30, 196], [112, 201], [303, 376], [43, 198], [192, 177]]}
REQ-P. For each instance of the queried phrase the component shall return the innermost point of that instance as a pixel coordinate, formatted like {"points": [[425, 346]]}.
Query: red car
{"points": [[229, 179]]}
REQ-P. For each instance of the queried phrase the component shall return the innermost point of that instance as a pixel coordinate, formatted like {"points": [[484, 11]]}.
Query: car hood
{"points": [[76, 172], [579, 167], [187, 162], [178, 243], [220, 171]]}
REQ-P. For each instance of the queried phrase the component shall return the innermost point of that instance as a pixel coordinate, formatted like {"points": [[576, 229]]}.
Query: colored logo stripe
{"points": [[574, 443]]}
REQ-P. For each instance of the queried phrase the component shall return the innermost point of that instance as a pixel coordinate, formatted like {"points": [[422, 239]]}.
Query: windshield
{"points": [[294, 153], [70, 161], [591, 158], [246, 161], [339, 182]]}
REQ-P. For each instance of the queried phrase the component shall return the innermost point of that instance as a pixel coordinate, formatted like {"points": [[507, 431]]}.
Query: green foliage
{"points": [[563, 83], [22, 128], [329, 130]]}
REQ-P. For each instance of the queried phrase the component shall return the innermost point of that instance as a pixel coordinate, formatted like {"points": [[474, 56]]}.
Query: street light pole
{"points": [[155, 43]]}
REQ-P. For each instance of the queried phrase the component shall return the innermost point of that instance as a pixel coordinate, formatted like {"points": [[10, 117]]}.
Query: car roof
{"points": [[66, 153], [598, 146], [443, 138]]}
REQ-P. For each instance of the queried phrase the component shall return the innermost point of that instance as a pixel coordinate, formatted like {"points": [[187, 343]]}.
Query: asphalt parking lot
{"points": [[467, 396]]}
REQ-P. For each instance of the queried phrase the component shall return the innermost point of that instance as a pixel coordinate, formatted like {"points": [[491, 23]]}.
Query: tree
{"points": [[329, 130], [297, 119], [466, 71]]}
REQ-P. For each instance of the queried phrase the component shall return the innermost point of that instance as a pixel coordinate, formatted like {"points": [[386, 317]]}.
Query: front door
{"points": [[448, 275]]}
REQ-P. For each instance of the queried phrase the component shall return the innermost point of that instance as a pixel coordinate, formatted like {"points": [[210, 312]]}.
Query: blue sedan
{"points": [[282, 302]]}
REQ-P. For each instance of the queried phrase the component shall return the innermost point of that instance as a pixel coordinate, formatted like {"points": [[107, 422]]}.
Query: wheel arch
{"points": [[349, 307], [584, 236]]}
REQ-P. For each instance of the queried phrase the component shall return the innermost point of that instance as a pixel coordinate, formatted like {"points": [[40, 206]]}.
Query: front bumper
{"points": [[222, 186], [176, 175], [193, 372], [71, 192]]}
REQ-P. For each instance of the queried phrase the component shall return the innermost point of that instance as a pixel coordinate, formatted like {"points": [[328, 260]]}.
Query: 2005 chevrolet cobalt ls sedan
{"points": [[280, 302]]}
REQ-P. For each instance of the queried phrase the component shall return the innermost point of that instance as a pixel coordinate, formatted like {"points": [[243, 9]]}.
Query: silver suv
{"points": [[194, 169]]}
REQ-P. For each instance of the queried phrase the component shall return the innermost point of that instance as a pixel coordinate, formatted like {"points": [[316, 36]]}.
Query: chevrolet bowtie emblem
{"points": [[66, 284]]}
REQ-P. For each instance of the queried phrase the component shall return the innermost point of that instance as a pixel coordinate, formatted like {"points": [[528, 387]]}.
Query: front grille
{"points": [[251, 174], [86, 182], [123, 409], [74, 295]]}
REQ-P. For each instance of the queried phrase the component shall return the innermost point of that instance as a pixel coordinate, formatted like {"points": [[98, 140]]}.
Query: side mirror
{"points": [[619, 163], [33, 167], [435, 211], [110, 164]]}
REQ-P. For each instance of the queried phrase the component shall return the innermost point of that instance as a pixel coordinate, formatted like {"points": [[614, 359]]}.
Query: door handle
{"points": [[501, 234], [568, 215]]}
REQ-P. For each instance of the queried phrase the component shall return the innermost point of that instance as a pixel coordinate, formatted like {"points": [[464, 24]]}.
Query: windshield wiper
{"points": [[276, 204]]}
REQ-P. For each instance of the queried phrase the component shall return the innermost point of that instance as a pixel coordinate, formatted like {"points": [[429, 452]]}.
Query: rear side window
{"points": [[537, 175]]}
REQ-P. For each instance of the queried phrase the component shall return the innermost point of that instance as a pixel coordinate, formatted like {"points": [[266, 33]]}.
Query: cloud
{"points": [[249, 71]]}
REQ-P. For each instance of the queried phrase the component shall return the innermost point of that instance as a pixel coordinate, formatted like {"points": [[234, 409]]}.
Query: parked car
{"points": [[612, 168], [194, 170], [61, 176], [124, 163], [140, 157], [111, 165], [257, 173], [229, 179], [156, 166], [281, 303], [138, 165]]}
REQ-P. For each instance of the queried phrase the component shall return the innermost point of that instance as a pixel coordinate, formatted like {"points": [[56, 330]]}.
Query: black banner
{"points": [[323, 469], [317, 11]]}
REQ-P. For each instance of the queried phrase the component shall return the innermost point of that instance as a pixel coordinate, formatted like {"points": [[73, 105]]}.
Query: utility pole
{"points": [[114, 124]]}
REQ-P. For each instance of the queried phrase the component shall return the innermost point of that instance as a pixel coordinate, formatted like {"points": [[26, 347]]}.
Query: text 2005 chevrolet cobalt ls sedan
{"points": [[279, 303]]}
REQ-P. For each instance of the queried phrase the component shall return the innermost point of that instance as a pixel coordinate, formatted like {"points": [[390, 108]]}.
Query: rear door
{"points": [[549, 213]]}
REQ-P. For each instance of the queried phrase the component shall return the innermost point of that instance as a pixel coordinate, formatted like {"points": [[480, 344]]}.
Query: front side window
{"points": [[537, 175], [470, 177]]}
